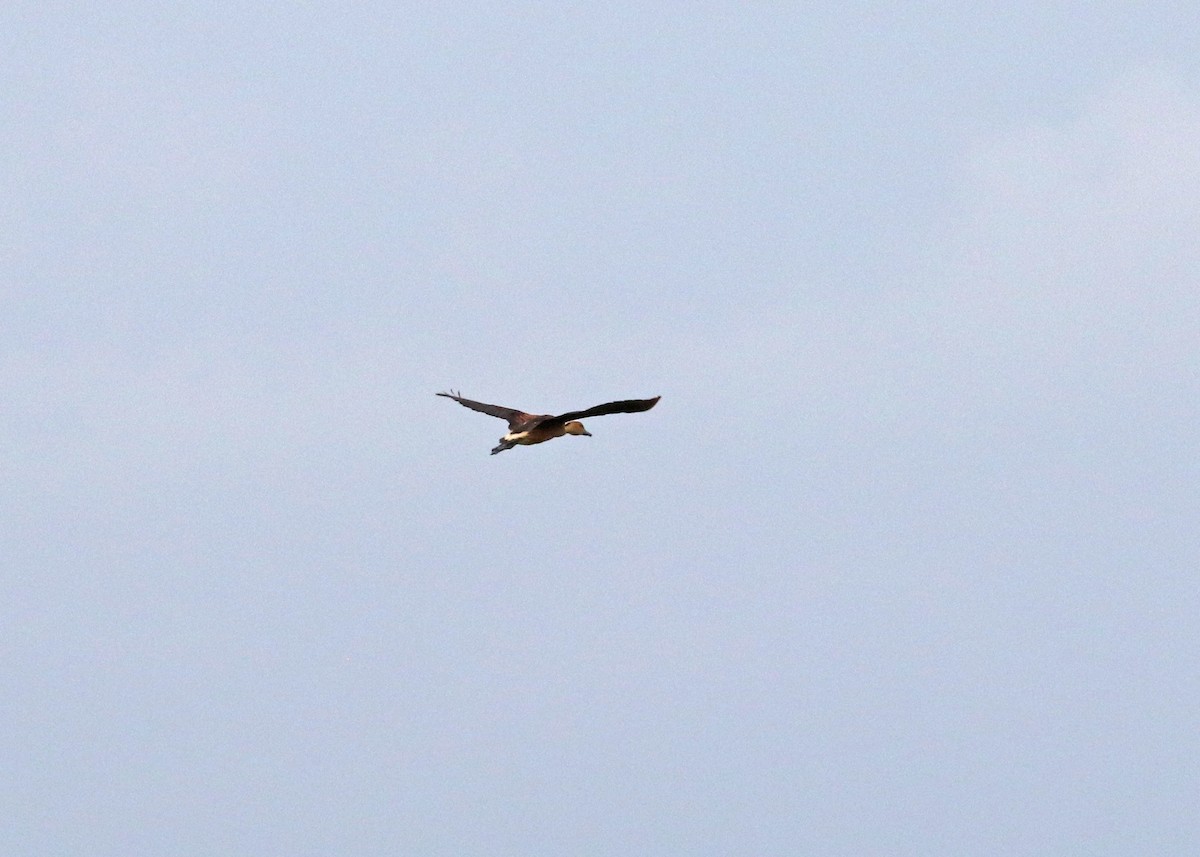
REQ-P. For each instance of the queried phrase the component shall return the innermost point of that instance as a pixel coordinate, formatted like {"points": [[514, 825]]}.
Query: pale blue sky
{"points": [[904, 563]]}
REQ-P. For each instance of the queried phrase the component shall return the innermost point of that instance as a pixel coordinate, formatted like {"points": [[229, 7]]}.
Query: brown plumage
{"points": [[526, 429]]}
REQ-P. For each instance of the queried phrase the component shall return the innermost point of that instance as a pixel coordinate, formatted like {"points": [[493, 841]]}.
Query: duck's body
{"points": [[527, 429], [542, 433]]}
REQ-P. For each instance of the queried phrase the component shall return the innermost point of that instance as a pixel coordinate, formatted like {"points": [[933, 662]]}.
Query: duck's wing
{"points": [[625, 406], [511, 415]]}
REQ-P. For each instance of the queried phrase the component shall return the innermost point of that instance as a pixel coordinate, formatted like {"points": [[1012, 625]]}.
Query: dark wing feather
{"points": [[511, 415], [625, 406]]}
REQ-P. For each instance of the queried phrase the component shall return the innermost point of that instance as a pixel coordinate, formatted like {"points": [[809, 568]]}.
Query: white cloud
{"points": [[1077, 240], [1062, 298]]}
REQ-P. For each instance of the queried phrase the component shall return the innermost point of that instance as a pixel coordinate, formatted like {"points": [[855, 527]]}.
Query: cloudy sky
{"points": [[904, 563]]}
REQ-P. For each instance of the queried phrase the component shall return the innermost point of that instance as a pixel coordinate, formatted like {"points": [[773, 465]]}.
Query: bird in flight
{"points": [[526, 429]]}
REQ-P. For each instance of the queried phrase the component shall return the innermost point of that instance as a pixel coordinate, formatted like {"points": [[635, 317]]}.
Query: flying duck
{"points": [[526, 429]]}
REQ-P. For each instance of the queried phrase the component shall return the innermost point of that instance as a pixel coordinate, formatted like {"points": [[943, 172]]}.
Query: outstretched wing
{"points": [[625, 406], [513, 416]]}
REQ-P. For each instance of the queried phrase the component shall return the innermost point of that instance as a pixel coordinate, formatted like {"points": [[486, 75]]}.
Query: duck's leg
{"points": [[504, 444]]}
